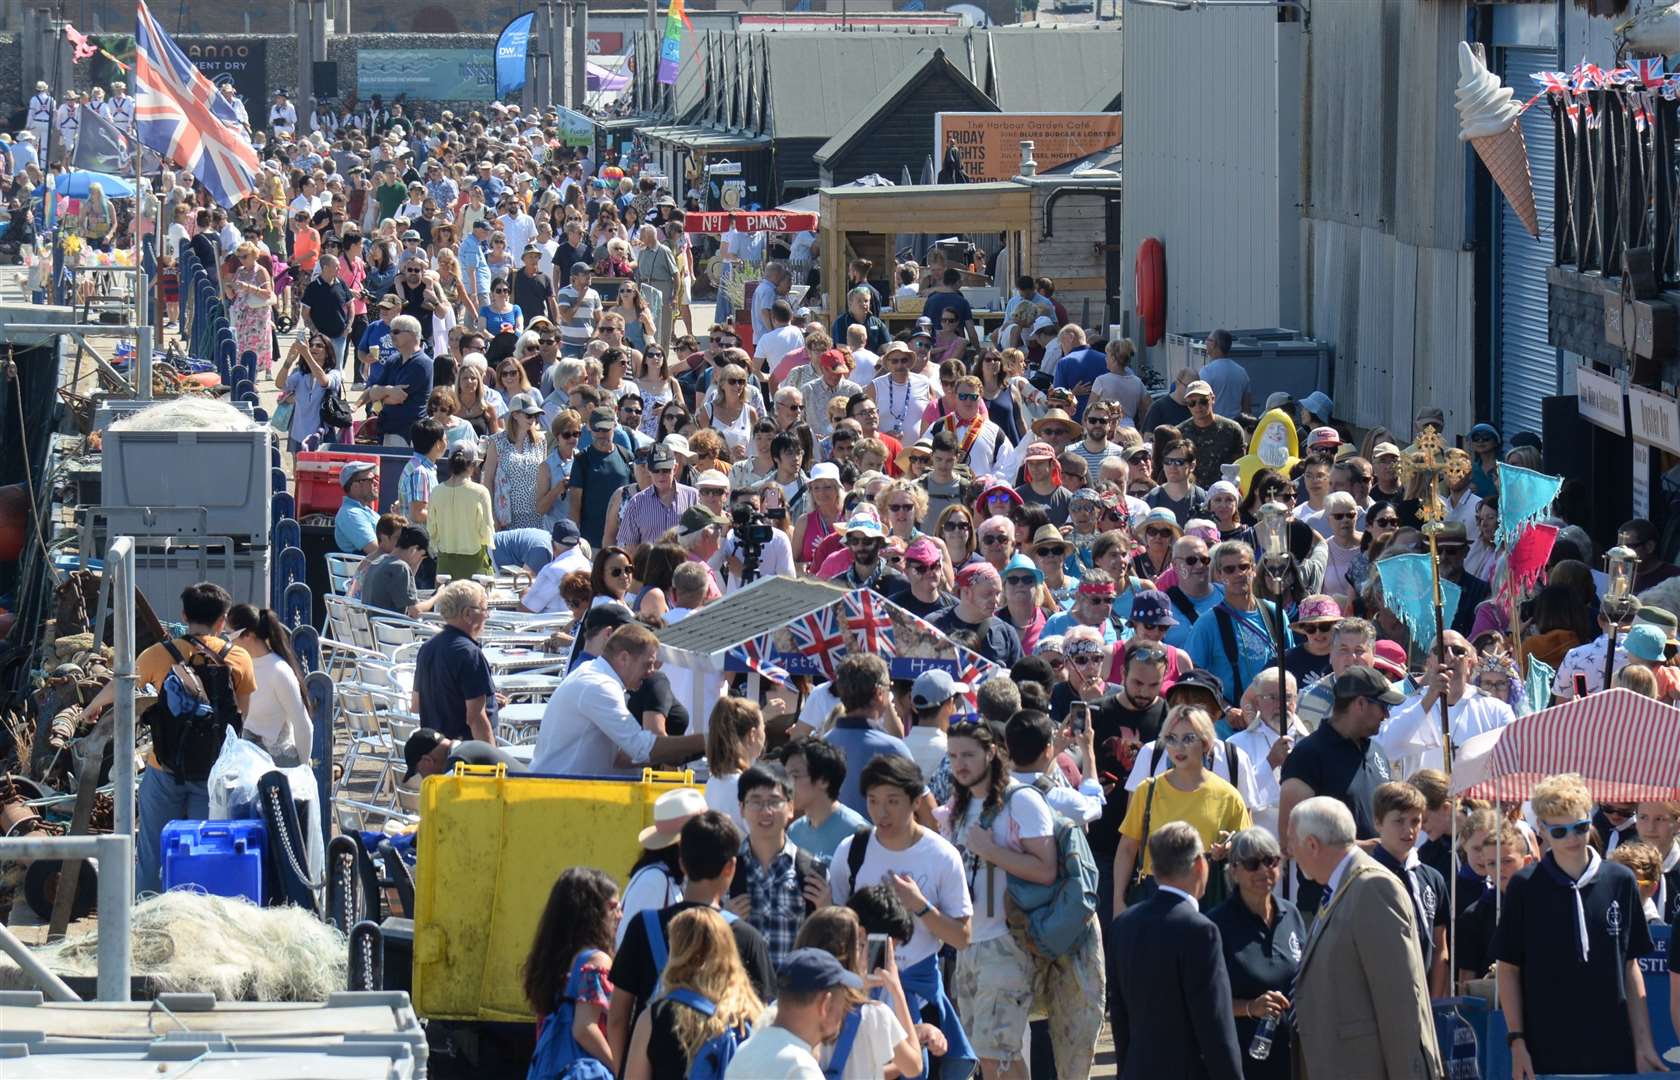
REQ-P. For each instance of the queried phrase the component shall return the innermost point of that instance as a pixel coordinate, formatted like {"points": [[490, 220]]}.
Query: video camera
{"points": [[752, 528]]}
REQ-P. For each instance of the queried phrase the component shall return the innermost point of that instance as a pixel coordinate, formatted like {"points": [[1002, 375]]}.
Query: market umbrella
{"points": [[1625, 745], [74, 184]]}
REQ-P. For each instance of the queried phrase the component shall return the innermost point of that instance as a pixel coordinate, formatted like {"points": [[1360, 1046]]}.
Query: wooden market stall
{"points": [[867, 221]]}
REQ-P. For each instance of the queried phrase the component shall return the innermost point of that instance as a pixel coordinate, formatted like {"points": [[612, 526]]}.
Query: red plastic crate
{"points": [[318, 487]]}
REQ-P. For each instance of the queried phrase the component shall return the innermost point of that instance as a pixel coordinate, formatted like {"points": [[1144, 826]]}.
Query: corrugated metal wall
{"points": [[1387, 280], [1201, 160]]}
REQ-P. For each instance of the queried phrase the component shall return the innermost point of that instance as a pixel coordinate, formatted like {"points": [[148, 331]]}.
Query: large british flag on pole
{"points": [[180, 115]]}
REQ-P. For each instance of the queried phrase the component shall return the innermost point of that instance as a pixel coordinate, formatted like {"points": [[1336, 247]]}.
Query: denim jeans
{"points": [[162, 799]]}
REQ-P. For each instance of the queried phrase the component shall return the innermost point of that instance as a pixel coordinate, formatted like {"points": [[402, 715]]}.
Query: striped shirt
{"points": [[818, 395], [644, 517], [415, 485]]}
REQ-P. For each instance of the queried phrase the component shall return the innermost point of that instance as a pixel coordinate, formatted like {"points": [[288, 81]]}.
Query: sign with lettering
{"points": [[426, 74], [721, 221], [1641, 495], [989, 144], [1599, 400], [1654, 419], [246, 64]]}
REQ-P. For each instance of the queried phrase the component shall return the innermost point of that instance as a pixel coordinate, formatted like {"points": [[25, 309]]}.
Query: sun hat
{"points": [[1055, 417], [1318, 403], [1317, 608], [712, 478], [671, 811], [1151, 607], [825, 470], [1646, 642], [1021, 562], [1048, 534], [866, 524], [697, 519], [352, 469], [1040, 451], [1161, 515]]}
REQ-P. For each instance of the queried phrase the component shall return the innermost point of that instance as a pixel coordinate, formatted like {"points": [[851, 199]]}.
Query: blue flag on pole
{"points": [[511, 48]]}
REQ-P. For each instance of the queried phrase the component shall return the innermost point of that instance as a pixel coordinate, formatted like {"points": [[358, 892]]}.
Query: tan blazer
{"points": [[1361, 1001]]}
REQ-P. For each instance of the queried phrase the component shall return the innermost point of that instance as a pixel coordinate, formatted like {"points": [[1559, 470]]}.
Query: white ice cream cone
{"points": [[1506, 158]]}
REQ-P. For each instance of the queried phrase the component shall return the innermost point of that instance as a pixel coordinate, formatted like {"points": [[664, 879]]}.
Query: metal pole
{"points": [[580, 53], [560, 34], [55, 987], [1440, 644], [143, 336], [116, 894], [119, 557]]}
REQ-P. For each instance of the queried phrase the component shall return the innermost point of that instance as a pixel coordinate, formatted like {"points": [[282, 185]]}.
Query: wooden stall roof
{"points": [[928, 208]]}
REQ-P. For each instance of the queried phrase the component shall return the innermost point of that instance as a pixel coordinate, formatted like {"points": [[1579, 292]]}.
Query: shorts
{"points": [[994, 991]]}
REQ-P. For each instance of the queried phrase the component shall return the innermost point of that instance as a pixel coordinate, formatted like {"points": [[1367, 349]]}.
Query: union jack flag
{"points": [[867, 619], [1649, 71], [180, 115], [974, 669], [818, 636], [755, 656]]}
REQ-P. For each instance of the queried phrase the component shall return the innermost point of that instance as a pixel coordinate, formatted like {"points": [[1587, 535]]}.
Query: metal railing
{"points": [[114, 853], [1616, 185]]}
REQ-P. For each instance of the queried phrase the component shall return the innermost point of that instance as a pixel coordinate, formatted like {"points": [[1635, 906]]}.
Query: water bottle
{"points": [[1260, 1047]]}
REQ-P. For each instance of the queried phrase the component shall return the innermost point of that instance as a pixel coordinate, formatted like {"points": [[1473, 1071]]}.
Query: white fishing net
{"points": [[187, 414], [192, 943]]}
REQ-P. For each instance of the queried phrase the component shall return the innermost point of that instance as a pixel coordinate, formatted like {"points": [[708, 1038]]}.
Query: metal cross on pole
{"points": [[1423, 467]]}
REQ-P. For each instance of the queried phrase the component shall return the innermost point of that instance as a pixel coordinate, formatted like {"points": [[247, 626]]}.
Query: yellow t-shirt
{"points": [[459, 519], [1213, 808]]}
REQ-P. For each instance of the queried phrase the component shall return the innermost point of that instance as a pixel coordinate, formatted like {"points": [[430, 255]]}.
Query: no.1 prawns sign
{"points": [[722, 221]]}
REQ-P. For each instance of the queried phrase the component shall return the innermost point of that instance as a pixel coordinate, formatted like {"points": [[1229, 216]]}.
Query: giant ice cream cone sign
{"points": [[1491, 122]]}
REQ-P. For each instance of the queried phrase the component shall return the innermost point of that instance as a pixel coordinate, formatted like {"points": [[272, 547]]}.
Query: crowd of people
{"points": [[1205, 702]]}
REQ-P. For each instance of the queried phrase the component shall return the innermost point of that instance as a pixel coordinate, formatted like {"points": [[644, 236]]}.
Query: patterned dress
{"points": [[516, 483], [253, 319]]}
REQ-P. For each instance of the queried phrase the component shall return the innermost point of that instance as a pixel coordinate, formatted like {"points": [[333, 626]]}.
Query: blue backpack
{"points": [[656, 936], [1057, 916], [558, 1055], [712, 1060], [843, 1045]]}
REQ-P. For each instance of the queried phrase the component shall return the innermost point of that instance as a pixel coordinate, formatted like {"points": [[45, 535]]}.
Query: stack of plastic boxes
{"points": [[198, 506]]}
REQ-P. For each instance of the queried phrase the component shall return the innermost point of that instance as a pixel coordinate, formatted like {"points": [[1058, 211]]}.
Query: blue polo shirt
{"points": [[413, 375], [1079, 366], [860, 743], [449, 670], [353, 526], [529, 549]]}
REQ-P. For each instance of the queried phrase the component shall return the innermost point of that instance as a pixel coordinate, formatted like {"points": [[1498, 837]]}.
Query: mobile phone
{"points": [[1580, 684], [877, 951], [1079, 715]]}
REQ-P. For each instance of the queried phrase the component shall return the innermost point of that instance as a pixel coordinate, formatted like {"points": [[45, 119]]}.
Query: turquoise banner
{"points": [[426, 74]]}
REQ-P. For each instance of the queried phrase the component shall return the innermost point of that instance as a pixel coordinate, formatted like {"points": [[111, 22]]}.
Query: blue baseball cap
{"points": [[1151, 607], [935, 687], [565, 533], [808, 971]]}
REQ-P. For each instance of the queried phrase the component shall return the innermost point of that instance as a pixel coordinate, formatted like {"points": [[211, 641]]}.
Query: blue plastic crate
{"points": [[222, 858]]}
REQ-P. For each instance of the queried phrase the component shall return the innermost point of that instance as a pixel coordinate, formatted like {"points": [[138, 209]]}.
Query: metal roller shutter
{"points": [[1525, 363]]}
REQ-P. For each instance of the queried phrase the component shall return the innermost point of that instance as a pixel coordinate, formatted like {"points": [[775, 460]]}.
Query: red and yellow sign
{"points": [[990, 143]]}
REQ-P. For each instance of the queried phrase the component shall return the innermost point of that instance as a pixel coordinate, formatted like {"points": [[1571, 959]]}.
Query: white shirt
{"points": [[1256, 741], [308, 204], [1587, 659], [1024, 816], [282, 119], [775, 344], [1464, 510], [519, 230], [1411, 736], [277, 714], [544, 593], [774, 1053], [901, 405], [1080, 805], [1245, 785], [864, 372], [819, 703], [649, 887], [587, 722], [927, 747], [932, 862], [775, 561], [721, 795]]}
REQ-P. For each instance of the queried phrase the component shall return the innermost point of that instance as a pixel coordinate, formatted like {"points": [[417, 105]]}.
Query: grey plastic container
{"points": [[351, 1036], [163, 569], [1275, 358], [226, 472]]}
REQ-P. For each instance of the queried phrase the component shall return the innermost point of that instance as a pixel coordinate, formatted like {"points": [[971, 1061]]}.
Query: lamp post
{"points": [[1619, 604], [1272, 531]]}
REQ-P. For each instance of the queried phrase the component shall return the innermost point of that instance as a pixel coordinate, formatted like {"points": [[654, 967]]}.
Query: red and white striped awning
{"points": [[1625, 745]]}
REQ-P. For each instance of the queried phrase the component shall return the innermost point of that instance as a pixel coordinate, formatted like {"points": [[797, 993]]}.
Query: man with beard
{"points": [[864, 539], [1122, 721]]}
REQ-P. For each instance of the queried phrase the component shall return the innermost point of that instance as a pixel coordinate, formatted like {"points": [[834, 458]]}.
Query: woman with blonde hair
{"points": [[511, 460], [460, 520], [1185, 792], [96, 222], [639, 328], [654, 382], [477, 402], [704, 969], [729, 414], [252, 293], [554, 477]]}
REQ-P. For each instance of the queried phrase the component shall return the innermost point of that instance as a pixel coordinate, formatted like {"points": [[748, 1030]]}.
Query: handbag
{"points": [[335, 411], [281, 421], [1141, 888]]}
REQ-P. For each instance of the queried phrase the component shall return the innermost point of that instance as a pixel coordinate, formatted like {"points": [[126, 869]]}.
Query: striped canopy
{"points": [[1625, 745]]}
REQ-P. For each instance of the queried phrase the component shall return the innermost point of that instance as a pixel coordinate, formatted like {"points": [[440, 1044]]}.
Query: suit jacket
{"points": [[1171, 1011], [1361, 1001]]}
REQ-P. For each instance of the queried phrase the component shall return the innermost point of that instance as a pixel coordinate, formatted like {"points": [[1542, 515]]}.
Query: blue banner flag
{"points": [[511, 48]]}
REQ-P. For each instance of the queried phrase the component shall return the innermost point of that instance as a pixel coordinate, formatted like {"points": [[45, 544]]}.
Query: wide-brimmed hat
{"points": [[671, 811], [864, 524], [1161, 515], [1054, 417], [1317, 608]]}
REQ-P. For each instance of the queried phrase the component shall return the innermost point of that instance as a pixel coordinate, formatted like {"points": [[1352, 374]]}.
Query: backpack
{"points": [[836, 1066], [558, 1055], [195, 706], [803, 864], [712, 1060], [1186, 607], [656, 936], [1055, 917], [855, 856]]}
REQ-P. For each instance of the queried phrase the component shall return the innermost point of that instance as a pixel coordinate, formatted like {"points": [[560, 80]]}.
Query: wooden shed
{"points": [[895, 130]]}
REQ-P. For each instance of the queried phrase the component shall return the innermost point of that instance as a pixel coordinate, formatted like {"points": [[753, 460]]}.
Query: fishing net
{"points": [[187, 414], [189, 942]]}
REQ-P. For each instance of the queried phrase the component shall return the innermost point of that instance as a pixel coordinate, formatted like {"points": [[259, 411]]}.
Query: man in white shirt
{"points": [[282, 116], [1270, 735], [980, 443], [781, 339], [517, 226], [811, 1004], [119, 108], [1411, 738], [934, 697], [570, 554], [864, 359], [773, 287], [587, 727]]}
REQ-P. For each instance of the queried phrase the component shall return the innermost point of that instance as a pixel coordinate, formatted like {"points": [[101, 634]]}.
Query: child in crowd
{"points": [[1658, 824], [566, 974], [1646, 865], [1498, 849], [1398, 809], [734, 740]]}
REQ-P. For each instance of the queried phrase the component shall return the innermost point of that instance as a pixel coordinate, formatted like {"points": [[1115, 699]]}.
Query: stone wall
{"points": [[11, 75], [1576, 314]]}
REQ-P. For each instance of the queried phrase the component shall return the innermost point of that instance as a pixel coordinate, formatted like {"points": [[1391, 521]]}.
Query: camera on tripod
{"points": [[752, 528]]}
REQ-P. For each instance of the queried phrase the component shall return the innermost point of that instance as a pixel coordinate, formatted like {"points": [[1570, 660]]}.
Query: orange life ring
{"points": [[1151, 275]]}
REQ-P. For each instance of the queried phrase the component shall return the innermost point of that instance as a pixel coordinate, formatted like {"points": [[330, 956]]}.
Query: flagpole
{"points": [[142, 324]]}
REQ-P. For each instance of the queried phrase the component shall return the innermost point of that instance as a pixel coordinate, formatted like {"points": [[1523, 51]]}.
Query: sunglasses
{"points": [[602, 430], [1385, 522], [1158, 533], [1053, 551], [1316, 629], [947, 322], [1195, 560], [1177, 462], [1458, 651], [570, 434], [994, 539], [958, 526], [619, 572], [968, 397], [1261, 862], [1579, 828], [1085, 660], [1343, 517], [1025, 581], [1242, 568]]}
